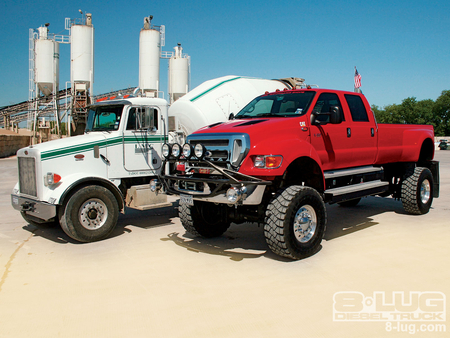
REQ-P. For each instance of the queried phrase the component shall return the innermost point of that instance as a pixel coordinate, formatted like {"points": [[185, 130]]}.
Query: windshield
{"points": [[278, 105], [104, 118]]}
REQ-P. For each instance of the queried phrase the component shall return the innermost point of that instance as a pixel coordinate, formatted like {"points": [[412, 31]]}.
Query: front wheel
{"points": [[295, 222], [90, 214], [204, 219], [417, 191]]}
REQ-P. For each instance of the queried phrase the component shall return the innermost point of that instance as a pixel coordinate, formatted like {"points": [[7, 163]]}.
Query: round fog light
{"points": [[234, 195], [176, 150], [187, 150], [199, 150], [166, 151]]}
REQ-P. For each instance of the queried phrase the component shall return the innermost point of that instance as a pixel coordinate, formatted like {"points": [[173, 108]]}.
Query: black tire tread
{"points": [[410, 191], [274, 228], [194, 223]]}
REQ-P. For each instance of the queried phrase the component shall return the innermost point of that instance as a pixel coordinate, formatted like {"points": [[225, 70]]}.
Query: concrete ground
{"points": [[150, 279]]}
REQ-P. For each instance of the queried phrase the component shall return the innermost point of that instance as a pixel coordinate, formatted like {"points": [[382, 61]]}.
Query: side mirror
{"points": [[335, 115], [231, 116]]}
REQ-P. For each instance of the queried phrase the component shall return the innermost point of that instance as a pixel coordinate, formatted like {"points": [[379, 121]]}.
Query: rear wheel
{"points": [[417, 191], [295, 222], [204, 219], [90, 214]]}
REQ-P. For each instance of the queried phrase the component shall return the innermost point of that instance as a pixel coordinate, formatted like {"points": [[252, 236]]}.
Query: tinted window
{"points": [[323, 105], [357, 109], [104, 118]]}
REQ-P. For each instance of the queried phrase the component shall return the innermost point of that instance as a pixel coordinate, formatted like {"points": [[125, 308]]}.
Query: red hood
{"points": [[261, 130]]}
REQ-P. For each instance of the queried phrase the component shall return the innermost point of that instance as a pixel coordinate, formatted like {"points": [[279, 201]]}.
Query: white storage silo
{"points": [[178, 74], [149, 54], [82, 52], [46, 62]]}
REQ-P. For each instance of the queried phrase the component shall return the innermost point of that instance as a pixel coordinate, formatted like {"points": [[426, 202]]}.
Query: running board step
{"points": [[358, 190], [351, 171]]}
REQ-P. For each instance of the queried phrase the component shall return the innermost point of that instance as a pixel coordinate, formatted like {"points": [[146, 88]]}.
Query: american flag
{"points": [[357, 79]]}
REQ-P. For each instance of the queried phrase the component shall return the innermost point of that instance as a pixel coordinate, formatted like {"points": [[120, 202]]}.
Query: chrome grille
{"points": [[226, 148], [27, 176]]}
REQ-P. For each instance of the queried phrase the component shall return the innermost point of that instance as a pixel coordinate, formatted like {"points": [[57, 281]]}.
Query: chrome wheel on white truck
{"points": [[90, 214]]}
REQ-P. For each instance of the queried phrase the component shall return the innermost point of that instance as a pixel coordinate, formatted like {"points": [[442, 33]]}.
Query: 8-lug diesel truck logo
{"points": [[395, 306]]}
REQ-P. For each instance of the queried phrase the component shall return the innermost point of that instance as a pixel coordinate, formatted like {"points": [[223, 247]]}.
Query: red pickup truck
{"points": [[286, 154]]}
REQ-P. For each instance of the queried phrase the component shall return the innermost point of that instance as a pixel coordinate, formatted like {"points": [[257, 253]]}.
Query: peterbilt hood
{"points": [[65, 146]]}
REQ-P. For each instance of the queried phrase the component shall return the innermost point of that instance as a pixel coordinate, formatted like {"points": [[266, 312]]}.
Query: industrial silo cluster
{"points": [[70, 103]]}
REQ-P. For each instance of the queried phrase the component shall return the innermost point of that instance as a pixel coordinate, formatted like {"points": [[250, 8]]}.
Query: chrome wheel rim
{"points": [[425, 191], [93, 214], [305, 224]]}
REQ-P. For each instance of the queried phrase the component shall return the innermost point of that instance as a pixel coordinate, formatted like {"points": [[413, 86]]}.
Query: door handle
{"points": [[372, 132], [349, 132]]}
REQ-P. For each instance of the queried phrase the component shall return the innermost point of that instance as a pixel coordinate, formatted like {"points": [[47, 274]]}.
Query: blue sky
{"points": [[401, 48]]}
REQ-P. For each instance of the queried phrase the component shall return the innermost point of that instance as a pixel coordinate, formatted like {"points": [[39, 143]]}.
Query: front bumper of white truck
{"points": [[38, 209]]}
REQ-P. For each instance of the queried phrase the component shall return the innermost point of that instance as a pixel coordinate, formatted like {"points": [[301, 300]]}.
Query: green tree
{"points": [[441, 114]]}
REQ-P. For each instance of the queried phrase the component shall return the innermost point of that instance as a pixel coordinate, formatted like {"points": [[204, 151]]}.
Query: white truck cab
{"points": [[85, 181]]}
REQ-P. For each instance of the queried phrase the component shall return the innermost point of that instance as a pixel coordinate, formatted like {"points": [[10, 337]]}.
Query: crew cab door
{"points": [[363, 132], [330, 141], [141, 139]]}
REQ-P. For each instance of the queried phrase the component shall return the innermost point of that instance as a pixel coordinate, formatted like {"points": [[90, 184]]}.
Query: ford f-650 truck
{"points": [[286, 154]]}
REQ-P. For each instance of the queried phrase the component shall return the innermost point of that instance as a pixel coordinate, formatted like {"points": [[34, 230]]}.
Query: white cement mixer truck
{"points": [[84, 182]]}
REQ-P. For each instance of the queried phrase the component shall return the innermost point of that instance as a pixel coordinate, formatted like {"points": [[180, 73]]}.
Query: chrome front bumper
{"points": [[39, 209]]}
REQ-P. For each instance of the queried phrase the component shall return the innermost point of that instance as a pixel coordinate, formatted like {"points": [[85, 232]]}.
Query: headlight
{"points": [[187, 150], [166, 150], [199, 150], [176, 150], [267, 161]]}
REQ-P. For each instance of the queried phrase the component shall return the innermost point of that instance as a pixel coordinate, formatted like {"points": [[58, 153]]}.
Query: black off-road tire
{"points": [[350, 203], [38, 222], [204, 219], [90, 214], [417, 191], [286, 214]]}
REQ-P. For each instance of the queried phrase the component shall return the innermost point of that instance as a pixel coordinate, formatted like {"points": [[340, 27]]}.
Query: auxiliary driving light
{"points": [[176, 150], [199, 150], [166, 150], [187, 150]]}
